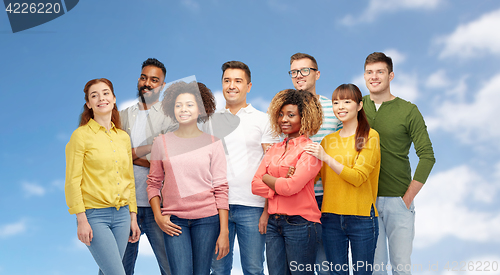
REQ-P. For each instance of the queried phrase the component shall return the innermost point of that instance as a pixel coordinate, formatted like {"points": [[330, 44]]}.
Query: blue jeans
{"points": [[110, 229], [148, 225], [360, 231], [320, 254], [397, 227], [191, 252], [243, 222], [291, 243]]}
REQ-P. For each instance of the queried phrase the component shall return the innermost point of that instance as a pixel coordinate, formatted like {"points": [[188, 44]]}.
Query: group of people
{"points": [[303, 184]]}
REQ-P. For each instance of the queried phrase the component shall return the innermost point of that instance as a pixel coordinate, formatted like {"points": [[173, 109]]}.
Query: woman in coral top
{"points": [[286, 178], [100, 186], [188, 176], [350, 179]]}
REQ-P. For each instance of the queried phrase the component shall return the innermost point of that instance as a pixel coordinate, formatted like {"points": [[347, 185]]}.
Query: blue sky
{"points": [[446, 56]]}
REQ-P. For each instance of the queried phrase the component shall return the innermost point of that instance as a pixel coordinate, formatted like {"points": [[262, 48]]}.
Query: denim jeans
{"points": [[110, 229], [191, 252], [397, 227], [360, 232], [291, 243], [243, 222], [148, 225], [320, 254]]}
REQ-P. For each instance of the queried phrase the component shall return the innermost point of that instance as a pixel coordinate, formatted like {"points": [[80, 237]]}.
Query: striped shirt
{"points": [[331, 124]]}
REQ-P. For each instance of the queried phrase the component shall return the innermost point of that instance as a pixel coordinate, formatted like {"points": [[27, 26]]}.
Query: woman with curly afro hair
{"points": [[187, 185], [286, 178]]}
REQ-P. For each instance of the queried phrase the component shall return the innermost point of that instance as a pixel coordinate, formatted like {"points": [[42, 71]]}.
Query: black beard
{"points": [[147, 100]]}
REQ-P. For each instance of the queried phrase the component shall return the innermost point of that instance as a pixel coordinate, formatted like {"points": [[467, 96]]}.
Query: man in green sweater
{"points": [[399, 123]]}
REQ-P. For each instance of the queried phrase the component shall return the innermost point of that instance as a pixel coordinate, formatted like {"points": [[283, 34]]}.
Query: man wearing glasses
{"points": [[304, 73]]}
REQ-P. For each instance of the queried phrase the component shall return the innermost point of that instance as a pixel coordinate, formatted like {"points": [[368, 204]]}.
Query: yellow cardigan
{"points": [[354, 191]]}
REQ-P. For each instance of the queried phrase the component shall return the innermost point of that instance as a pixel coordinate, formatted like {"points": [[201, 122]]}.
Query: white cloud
{"points": [[442, 207], [376, 8], [219, 99], [77, 244], [438, 79], [497, 171], [58, 184], [33, 189], [473, 39], [471, 122], [360, 82], [12, 229], [127, 103], [441, 82], [145, 247], [405, 86], [396, 56], [260, 103]]}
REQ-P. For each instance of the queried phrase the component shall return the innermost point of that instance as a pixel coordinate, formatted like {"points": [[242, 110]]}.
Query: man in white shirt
{"points": [[143, 122], [246, 133]]}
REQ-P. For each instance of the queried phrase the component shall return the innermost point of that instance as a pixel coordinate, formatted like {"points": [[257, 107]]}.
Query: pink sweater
{"points": [[294, 195], [194, 174]]}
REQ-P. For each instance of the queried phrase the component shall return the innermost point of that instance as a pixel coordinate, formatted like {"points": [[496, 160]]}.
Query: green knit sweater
{"points": [[399, 123]]}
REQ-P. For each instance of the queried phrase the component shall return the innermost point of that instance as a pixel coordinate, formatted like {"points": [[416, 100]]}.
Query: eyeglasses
{"points": [[303, 72]]}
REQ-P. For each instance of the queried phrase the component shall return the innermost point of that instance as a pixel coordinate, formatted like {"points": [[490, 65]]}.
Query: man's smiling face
{"points": [[378, 78], [150, 83], [307, 83]]}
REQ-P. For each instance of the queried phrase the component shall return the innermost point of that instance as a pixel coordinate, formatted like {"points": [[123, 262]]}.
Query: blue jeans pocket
{"points": [[363, 217], [296, 220]]}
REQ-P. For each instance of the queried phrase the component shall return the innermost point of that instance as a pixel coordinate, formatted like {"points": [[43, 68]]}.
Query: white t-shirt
{"points": [[242, 135], [138, 138]]}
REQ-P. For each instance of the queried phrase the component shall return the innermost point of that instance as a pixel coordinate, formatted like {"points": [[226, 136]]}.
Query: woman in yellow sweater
{"points": [[350, 173], [100, 186]]}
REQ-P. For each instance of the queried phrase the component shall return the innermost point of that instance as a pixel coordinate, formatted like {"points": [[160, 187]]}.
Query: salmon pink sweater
{"points": [[189, 175]]}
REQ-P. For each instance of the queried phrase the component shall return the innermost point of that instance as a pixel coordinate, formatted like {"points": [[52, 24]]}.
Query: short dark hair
{"points": [[379, 57], [155, 62], [204, 99], [298, 56], [237, 65]]}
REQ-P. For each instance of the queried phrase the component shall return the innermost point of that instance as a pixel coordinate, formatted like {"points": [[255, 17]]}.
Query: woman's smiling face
{"points": [[101, 99], [186, 109], [289, 119]]}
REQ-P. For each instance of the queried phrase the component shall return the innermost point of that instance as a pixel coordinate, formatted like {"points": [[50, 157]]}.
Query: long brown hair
{"points": [[87, 113], [351, 91]]}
